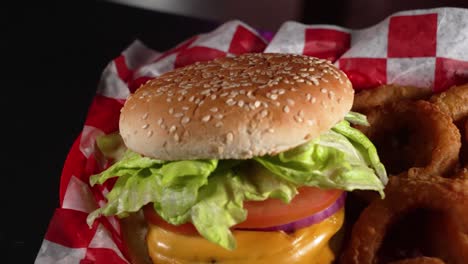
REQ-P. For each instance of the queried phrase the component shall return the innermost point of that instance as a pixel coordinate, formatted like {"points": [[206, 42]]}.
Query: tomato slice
{"points": [[273, 212], [268, 213]]}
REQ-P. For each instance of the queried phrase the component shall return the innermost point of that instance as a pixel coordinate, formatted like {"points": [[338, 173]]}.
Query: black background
{"points": [[52, 56]]}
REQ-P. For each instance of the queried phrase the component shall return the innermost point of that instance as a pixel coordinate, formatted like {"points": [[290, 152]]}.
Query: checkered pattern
{"points": [[426, 48]]}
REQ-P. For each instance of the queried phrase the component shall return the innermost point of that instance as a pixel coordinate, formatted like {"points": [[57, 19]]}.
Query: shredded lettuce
{"points": [[210, 193]]}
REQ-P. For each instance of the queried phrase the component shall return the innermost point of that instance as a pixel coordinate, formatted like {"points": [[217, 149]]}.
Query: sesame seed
{"points": [[298, 119], [240, 103], [206, 118], [220, 149], [264, 113], [313, 100], [160, 121], [214, 109], [271, 130], [257, 104], [323, 90], [286, 109], [191, 98], [213, 96], [168, 100], [310, 122], [180, 98], [219, 116], [281, 91], [178, 115], [171, 110], [290, 101], [230, 102], [150, 133], [308, 96], [229, 138], [185, 120], [219, 124], [185, 108], [172, 129], [176, 137], [145, 116], [301, 113], [145, 126]]}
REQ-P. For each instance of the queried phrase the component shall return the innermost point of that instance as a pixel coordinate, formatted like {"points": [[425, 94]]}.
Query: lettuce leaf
{"points": [[356, 118], [171, 186], [341, 158], [210, 193], [220, 203]]}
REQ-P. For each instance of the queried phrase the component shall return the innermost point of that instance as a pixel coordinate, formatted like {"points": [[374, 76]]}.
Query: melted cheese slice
{"points": [[307, 245]]}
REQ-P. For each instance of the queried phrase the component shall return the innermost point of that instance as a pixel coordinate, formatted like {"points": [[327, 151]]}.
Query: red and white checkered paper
{"points": [[426, 48]]}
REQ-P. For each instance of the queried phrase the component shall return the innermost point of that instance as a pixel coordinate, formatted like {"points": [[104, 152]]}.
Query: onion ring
{"points": [[453, 102], [414, 138], [445, 198], [386, 94], [419, 260]]}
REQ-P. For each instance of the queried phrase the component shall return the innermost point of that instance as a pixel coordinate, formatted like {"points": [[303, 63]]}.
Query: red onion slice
{"points": [[310, 220]]}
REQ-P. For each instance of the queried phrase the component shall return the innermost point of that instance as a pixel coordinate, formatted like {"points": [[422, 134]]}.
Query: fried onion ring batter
{"points": [[419, 260], [414, 138], [453, 102], [444, 199], [386, 94]]}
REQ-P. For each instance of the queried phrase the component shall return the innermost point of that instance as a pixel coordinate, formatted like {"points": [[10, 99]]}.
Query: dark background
{"points": [[52, 61]]}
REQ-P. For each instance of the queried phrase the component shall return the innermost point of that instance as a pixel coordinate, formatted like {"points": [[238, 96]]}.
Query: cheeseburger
{"points": [[241, 159]]}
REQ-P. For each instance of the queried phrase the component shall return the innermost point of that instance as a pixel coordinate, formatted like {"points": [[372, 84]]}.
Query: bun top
{"points": [[235, 107]]}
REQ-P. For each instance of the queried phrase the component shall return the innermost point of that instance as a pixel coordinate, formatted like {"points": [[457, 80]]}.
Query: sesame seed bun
{"points": [[235, 107]]}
